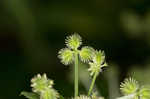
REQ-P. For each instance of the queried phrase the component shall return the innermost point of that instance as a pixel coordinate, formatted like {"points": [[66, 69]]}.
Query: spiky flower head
{"points": [[82, 97], [86, 53], [66, 56], [98, 61], [74, 41], [129, 86], [42, 85], [144, 92], [99, 57]]}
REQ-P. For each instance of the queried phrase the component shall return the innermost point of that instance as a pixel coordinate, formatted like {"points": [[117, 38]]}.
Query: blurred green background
{"points": [[33, 31]]}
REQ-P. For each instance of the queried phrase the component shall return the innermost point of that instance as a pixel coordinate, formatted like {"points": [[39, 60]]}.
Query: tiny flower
{"points": [[86, 53], [129, 86], [74, 41], [66, 56]]}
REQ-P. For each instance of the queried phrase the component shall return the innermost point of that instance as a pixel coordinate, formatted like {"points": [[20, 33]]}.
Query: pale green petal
{"points": [[74, 41], [86, 53], [66, 56], [129, 86]]}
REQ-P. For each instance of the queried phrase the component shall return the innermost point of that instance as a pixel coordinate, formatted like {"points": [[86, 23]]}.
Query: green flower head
{"points": [[66, 56], [86, 53], [41, 83], [144, 92], [99, 57], [44, 87], [98, 61], [74, 41], [129, 86]]}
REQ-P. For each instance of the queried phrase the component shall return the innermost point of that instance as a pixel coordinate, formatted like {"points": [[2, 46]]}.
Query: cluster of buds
{"points": [[73, 43], [96, 59]]}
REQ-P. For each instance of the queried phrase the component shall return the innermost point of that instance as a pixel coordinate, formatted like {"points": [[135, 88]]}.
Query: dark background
{"points": [[33, 31]]}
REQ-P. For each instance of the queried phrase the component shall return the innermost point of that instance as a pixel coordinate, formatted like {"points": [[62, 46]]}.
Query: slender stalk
{"points": [[92, 84], [76, 75]]}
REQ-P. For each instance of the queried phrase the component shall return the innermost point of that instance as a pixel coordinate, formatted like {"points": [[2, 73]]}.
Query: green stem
{"points": [[76, 75], [92, 84]]}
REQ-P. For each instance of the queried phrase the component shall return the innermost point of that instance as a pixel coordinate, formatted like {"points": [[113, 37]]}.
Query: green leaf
{"points": [[30, 95]]}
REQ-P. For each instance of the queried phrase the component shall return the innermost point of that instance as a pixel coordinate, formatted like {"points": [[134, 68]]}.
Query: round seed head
{"points": [[74, 41], [129, 86], [86, 53], [66, 56]]}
